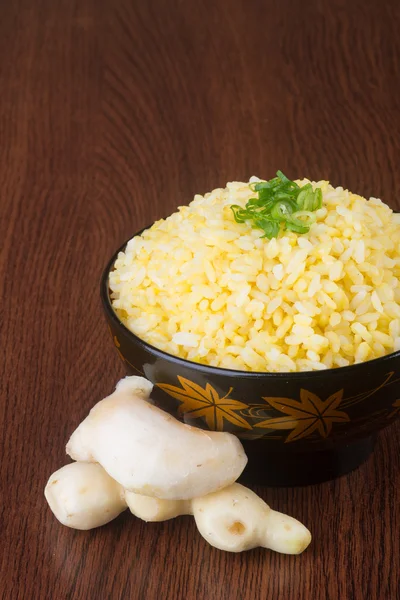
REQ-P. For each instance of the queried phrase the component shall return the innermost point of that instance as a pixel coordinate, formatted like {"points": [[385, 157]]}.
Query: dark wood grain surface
{"points": [[113, 113]]}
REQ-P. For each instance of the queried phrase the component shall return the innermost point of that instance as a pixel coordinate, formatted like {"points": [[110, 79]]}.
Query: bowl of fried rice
{"points": [[269, 309]]}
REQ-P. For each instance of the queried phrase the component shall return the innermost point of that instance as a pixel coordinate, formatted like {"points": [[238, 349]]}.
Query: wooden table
{"points": [[113, 113]]}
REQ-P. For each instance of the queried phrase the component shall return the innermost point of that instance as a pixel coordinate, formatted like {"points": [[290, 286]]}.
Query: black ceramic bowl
{"points": [[297, 428]]}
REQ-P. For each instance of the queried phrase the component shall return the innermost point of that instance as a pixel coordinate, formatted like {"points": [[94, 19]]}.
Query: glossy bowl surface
{"points": [[297, 428]]}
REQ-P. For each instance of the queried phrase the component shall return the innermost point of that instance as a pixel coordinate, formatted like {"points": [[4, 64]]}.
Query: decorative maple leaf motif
{"points": [[306, 416], [206, 402], [396, 406]]}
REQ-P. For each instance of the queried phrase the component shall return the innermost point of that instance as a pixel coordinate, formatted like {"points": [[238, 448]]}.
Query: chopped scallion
{"points": [[280, 203]]}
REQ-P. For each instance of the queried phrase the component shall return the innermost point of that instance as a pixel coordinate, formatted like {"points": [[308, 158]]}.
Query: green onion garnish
{"points": [[280, 203]]}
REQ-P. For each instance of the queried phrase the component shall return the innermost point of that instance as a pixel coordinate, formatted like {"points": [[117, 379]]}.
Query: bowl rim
{"points": [[106, 301]]}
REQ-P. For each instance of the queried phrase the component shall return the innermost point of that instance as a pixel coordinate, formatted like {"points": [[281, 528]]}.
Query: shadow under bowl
{"points": [[296, 428]]}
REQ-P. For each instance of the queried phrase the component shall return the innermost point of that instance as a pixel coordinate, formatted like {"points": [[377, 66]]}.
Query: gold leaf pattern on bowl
{"points": [[306, 416], [207, 403]]}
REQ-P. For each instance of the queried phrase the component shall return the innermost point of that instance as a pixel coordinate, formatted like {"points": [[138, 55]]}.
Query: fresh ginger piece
{"points": [[233, 519], [133, 386], [137, 386], [84, 496], [150, 452], [236, 519], [162, 468], [155, 509]]}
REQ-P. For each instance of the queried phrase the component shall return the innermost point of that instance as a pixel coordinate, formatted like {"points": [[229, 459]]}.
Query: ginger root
{"points": [[83, 496], [149, 452], [132, 454], [233, 519]]}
